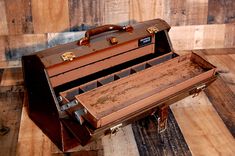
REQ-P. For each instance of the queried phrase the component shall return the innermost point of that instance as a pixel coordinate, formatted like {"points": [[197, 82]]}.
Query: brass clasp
{"points": [[68, 56], [152, 29]]}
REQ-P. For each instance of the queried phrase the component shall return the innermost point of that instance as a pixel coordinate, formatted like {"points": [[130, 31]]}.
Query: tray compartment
{"points": [[114, 100], [70, 94]]}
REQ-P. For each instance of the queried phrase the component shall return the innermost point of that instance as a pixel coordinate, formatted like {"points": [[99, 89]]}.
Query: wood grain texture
{"points": [[220, 11], [116, 12], [147, 9], [150, 143], [19, 16], [84, 14], [203, 129], [31, 137], [20, 45], [229, 37], [54, 39], [12, 77], [10, 104], [182, 37], [222, 98], [202, 36], [10, 64], [31, 141], [184, 12], [226, 68], [3, 47], [44, 16], [3, 19], [50, 16], [120, 144]]}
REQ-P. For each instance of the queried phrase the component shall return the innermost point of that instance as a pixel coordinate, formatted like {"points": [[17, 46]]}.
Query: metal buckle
{"points": [[198, 90], [68, 56]]}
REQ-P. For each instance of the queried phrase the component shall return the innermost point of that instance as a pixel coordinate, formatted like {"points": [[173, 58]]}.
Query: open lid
{"points": [[52, 58]]}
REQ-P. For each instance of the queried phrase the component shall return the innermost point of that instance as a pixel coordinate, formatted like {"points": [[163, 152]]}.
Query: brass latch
{"points": [[152, 29], [115, 129], [161, 116], [68, 56], [198, 90]]}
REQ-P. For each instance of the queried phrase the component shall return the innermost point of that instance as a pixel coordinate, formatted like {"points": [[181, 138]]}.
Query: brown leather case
{"points": [[113, 76]]}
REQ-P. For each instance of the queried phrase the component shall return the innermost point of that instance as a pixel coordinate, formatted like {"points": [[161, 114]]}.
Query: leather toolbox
{"points": [[113, 76]]}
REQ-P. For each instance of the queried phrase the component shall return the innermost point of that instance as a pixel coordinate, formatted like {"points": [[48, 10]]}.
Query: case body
{"points": [[113, 76]]}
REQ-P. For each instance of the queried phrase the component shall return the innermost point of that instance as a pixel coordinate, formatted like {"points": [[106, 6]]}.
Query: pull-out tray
{"points": [[127, 95]]}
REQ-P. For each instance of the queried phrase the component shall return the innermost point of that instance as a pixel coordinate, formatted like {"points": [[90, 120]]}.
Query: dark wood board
{"points": [[10, 113], [223, 99], [50, 16], [19, 16], [84, 14], [169, 142], [221, 11]]}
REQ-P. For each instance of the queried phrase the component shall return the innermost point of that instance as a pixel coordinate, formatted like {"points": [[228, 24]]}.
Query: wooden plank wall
{"points": [[27, 26]]}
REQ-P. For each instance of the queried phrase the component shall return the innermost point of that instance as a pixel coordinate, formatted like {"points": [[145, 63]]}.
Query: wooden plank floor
{"points": [[203, 125]]}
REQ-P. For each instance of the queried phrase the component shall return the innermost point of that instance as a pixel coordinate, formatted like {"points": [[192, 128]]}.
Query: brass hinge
{"points": [[152, 29], [198, 90], [68, 56]]}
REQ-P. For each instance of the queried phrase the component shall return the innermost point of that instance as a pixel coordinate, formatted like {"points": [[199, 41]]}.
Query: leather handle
{"points": [[102, 29]]}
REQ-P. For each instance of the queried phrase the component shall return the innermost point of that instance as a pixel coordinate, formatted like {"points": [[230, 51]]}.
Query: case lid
{"points": [[53, 58]]}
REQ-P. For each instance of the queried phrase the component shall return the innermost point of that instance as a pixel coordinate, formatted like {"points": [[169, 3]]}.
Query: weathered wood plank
{"points": [[202, 128], [3, 47], [202, 36], [10, 104], [50, 16], [12, 77], [169, 142], [10, 64], [3, 19], [229, 37], [62, 38], [194, 37], [222, 98], [141, 10], [226, 68], [19, 17], [84, 14], [20, 45], [196, 12], [31, 137], [220, 11], [31, 141], [216, 51], [184, 12], [116, 12], [121, 143]]}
